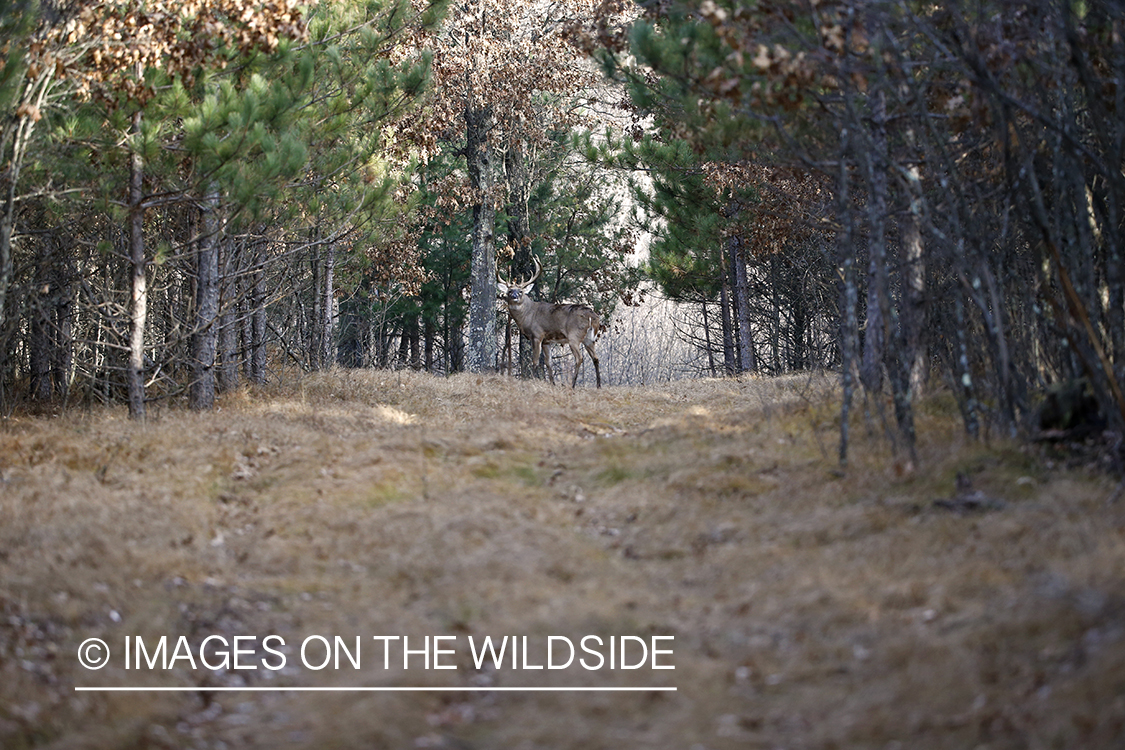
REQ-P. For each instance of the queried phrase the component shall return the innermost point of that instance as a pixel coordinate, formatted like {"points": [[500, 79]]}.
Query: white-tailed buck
{"points": [[545, 323]]}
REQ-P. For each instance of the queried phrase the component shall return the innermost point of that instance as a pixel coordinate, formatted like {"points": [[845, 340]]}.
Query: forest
{"points": [[914, 196], [850, 468]]}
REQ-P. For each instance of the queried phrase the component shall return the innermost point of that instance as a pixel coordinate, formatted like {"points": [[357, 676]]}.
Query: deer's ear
{"points": [[530, 289], [502, 287]]}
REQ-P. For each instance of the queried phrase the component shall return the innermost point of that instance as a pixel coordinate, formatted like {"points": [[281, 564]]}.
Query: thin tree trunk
{"points": [[202, 393], [228, 318], [314, 328], [18, 134], [327, 334], [519, 238], [428, 334], [914, 311], [39, 347], [965, 391], [849, 294], [849, 333], [707, 342], [729, 359], [890, 335], [412, 334], [874, 339], [245, 327], [258, 318], [748, 359], [775, 328], [403, 360], [134, 374], [228, 350], [62, 356], [481, 354], [40, 315]]}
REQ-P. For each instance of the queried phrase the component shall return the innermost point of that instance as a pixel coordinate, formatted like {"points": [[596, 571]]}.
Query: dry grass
{"points": [[809, 608]]}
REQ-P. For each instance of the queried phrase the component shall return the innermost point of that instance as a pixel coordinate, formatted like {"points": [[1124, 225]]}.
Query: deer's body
{"points": [[546, 323]]}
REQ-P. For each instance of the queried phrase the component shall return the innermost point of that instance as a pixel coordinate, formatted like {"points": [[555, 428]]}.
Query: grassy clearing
{"points": [[810, 608]]}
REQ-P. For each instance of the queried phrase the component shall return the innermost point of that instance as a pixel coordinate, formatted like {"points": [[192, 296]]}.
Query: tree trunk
{"points": [[729, 359], [414, 333], [327, 334], [885, 333], [519, 237], [257, 354], [798, 314], [914, 312], [62, 355], [849, 332], [134, 373], [315, 325], [455, 342], [18, 134], [871, 364], [228, 356], [966, 397], [748, 359], [202, 393], [428, 334], [39, 346], [775, 325], [245, 326], [707, 342], [481, 353]]}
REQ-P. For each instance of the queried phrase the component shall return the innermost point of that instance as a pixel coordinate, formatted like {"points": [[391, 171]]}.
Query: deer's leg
{"points": [[547, 362], [597, 372], [536, 347], [577, 362]]}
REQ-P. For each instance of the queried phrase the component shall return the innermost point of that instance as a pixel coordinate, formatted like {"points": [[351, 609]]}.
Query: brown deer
{"points": [[545, 323]]}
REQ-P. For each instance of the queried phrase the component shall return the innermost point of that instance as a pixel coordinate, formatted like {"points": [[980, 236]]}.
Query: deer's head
{"points": [[515, 293]]}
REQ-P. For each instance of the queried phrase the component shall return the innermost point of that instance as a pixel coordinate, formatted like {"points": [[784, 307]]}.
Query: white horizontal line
{"points": [[261, 689]]}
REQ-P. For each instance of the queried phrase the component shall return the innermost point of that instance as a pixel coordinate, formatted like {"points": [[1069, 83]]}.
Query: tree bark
{"points": [[519, 237], [481, 352], [415, 352], [202, 392], [428, 334], [257, 354], [17, 133], [966, 396], [62, 355], [747, 358], [729, 360], [914, 311], [775, 327], [849, 333], [322, 350], [39, 346], [228, 319], [315, 326], [849, 294], [707, 341], [134, 373]]}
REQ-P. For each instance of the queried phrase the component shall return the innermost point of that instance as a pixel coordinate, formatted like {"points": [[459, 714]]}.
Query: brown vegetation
{"points": [[809, 608]]}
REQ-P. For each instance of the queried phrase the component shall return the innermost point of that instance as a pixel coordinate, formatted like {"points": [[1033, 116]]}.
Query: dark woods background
{"points": [[923, 198], [957, 171]]}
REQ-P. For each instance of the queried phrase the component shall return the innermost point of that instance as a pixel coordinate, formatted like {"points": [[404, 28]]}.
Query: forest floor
{"points": [[886, 606]]}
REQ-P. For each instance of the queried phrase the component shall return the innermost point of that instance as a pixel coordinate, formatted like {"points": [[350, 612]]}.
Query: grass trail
{"points": [[809, 607]]}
